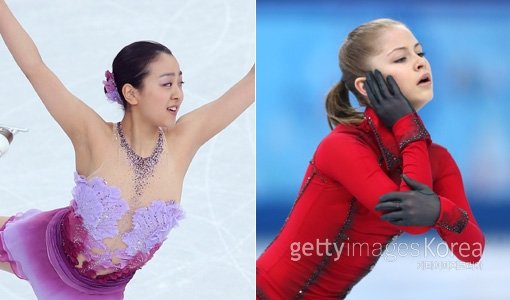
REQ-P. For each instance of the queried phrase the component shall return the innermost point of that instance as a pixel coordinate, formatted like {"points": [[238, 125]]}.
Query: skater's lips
{"points": [[425, 78], [173, 108]]}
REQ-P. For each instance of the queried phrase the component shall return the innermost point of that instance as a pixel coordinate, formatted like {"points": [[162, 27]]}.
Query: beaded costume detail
{"points": [[143, 167], [419, 132], [455, 220], [97, 209]]}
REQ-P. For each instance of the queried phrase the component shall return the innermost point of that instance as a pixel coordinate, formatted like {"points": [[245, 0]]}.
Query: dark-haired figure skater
{"points": [[376, 175], [129, 174]]}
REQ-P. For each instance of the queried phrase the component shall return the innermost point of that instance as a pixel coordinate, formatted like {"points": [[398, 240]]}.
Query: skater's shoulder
{"points": [[438, 149], [440, 153], [343, 141], [345, 133]]}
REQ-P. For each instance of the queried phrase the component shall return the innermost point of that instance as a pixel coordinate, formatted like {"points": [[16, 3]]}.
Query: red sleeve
{"points": [[347, 159], [456, 224], [415, 156]]}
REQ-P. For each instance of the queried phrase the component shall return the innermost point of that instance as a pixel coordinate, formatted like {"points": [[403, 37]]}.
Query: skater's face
{"points": [[161, 95], [402, 56]]}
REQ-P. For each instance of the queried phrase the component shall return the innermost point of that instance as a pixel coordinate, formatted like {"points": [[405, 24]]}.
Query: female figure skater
{"points": [[129, 174], [352, 201]]}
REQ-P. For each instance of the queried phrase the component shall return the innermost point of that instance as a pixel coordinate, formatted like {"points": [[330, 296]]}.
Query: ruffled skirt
{"points": [[32, 243]]}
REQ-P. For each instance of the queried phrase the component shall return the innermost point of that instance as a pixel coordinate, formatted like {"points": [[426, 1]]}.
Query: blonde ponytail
{"points": [[339, 108]]}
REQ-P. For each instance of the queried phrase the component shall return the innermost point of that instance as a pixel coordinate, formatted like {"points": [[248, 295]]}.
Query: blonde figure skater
{"points": [[129, 174], [376, 175]]}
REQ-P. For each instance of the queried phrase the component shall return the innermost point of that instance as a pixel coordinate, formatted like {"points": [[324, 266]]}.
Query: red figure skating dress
{"points": [[352, 167]]}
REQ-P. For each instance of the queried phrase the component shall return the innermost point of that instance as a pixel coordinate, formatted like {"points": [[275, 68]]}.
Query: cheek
{"points": [[148, 90], [400, 77], [157, 94], [403, 83]]}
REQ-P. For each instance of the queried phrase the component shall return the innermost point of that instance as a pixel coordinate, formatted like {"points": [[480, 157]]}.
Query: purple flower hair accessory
{"points": [[110, 88]]}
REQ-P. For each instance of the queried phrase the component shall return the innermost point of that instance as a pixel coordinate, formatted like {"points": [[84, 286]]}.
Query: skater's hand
{"points": [[419, 207], [386, 98]]}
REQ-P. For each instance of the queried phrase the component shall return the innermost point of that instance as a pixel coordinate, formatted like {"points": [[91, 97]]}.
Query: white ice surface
{"points": [[211, 254]]}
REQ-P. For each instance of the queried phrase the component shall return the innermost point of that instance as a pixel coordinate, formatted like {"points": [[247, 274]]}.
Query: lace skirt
{"points": [[33, 245]]}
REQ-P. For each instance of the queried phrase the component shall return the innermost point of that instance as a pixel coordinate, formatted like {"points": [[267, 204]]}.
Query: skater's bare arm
{"points": [[206, 121], [73, 115]]}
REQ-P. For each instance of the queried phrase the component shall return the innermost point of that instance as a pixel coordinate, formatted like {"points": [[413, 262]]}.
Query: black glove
{"points": [[387, 100], [419, 207]]}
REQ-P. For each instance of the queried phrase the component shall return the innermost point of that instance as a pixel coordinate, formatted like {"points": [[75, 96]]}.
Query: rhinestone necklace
{"points": [[143, 167]]}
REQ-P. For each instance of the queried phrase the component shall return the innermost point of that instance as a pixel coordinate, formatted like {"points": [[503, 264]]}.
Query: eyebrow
{"points": [[170, 74], [402, 48]]}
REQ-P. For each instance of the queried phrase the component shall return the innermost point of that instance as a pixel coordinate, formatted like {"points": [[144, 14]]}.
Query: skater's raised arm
{"points": [[206, 121], [73, 116]]}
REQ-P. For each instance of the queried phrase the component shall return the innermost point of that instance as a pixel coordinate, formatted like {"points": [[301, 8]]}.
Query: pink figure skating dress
{"points": [[92, 248]]}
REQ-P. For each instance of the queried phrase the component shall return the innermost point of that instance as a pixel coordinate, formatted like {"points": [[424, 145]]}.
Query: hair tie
{"points": [[110, 88]]}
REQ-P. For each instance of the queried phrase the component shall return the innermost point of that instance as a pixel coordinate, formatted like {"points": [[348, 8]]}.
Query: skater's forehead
{"points": [[165, 65]]}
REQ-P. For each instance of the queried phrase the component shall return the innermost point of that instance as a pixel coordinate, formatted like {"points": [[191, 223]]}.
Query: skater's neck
{"points": [[141, 136]]}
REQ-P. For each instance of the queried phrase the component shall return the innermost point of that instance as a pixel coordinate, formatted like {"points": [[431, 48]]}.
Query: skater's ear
{"points": [[360, 85], [130, 93]]}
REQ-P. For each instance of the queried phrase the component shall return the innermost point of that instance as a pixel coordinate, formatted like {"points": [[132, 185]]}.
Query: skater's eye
{"points": [[400, 60]]}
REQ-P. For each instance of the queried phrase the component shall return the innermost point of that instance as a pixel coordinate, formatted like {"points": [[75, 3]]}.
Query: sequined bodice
{"points": [[97, 211]]}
